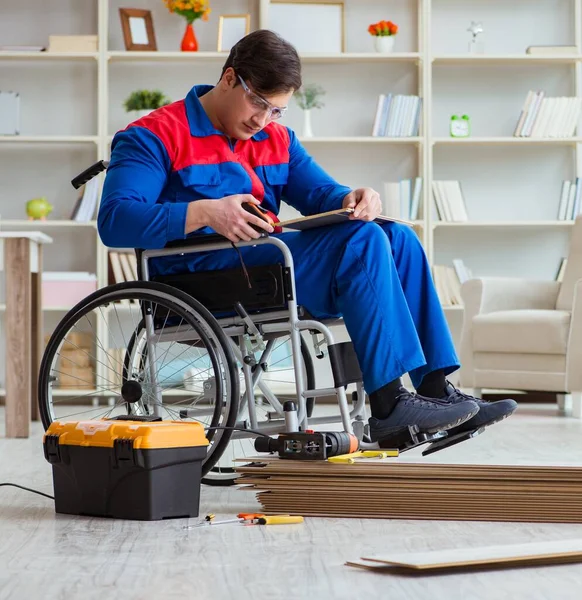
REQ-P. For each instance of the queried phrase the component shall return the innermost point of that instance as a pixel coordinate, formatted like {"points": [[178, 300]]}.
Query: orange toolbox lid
{"points": [[146, 435]]}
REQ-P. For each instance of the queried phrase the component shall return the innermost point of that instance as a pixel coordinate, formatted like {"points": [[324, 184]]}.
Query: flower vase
{"points": [[384, 43], [189, 41], [307, 131]]}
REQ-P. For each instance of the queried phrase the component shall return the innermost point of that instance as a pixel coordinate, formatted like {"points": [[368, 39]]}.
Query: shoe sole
{"points": [[489, 423]]}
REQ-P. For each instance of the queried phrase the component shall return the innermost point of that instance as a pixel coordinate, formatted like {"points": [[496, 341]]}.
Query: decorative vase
{"points": [[384, 43], [307, 131], [189, 41]]}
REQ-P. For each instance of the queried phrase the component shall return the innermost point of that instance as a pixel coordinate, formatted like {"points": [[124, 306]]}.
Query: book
{"points": [[332, 217]]}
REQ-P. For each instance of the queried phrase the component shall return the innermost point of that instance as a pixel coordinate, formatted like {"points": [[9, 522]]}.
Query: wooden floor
{"points": [[44, 555]]}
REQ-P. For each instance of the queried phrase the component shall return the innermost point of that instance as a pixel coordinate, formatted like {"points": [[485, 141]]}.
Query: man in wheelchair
{"points": [[189, 168]]}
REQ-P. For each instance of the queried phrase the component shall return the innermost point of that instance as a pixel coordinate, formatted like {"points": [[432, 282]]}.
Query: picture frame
{"points": [[138, 29], [312, 26], [232, 28]]}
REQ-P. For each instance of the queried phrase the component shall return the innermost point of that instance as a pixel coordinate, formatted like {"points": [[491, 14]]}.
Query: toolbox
{"points": [[127, 467]]}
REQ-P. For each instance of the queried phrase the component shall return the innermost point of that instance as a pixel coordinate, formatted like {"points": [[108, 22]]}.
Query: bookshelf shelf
{"points": [[49, 139], [361, 140], [116, 56], [501, 59], [506, 140], [49, 56], [500, 224], [49, 224]]}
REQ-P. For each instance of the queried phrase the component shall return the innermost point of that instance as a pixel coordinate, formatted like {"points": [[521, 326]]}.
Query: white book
{"points": [[415, 203], [570, 205], [569, 116], [564, 200], [532, 114], [454, 286], [576, 207], [521, 120], [454, 197], [384, 116], [445, 200], [376, 126], [564, 109], [575, 117], [533, 125], [439, 201], [405, 187], [391, 200]]}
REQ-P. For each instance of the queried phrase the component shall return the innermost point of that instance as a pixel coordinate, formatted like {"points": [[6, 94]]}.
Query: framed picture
{"points": [[312, 26], [232, 28], [138, 29]]}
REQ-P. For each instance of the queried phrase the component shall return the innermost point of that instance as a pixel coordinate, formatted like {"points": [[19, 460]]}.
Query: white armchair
{"points": [[526, 335]]}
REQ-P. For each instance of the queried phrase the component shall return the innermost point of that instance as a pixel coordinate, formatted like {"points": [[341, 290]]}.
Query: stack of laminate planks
{"points": [[389, 489]]}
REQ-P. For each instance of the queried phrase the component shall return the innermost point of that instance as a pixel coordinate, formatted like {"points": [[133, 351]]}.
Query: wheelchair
{"points": [[224, 348]]}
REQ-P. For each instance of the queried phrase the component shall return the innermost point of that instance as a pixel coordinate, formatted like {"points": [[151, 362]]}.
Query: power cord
{"points": [[52, 497], [28, 490]]}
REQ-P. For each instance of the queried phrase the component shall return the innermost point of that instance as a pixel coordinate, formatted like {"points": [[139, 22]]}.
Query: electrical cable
{"points": [[52, 497], [28, 490]]}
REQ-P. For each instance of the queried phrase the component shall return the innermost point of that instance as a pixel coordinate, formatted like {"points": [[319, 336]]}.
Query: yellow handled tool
{"points": [[350, 458], [279, 520]]}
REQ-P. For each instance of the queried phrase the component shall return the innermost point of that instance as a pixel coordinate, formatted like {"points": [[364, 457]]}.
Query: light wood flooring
{"points": [[49, 556]]}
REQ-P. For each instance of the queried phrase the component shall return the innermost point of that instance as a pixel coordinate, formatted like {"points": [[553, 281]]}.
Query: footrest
{"points": [[408, 437], [449, 441]]}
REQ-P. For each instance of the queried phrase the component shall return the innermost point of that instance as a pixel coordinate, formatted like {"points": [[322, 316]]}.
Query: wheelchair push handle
{"points": [[89, 173]]}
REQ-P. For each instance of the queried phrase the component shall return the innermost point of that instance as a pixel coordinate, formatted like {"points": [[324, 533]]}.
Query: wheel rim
{"points": [[214, 408]]}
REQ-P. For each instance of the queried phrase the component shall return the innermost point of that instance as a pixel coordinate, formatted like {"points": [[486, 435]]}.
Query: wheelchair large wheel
{"points": [[279, 376], [99, 362]]}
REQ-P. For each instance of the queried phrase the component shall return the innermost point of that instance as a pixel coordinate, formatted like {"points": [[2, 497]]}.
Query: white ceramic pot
{"points": [[307, 130], [384, 43]]}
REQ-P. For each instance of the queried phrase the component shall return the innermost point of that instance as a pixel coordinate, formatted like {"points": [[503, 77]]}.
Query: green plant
{"points": [[145, 100], [308, 96]]}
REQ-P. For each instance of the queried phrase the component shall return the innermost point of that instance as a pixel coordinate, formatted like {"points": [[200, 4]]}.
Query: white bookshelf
{"points": [[511, 185]]}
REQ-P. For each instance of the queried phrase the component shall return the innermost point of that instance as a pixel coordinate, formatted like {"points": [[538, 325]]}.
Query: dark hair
{"points": [[267, 62]]}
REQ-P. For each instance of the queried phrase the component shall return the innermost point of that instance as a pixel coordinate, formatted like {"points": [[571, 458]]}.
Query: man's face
{"points": [[247, 112]]}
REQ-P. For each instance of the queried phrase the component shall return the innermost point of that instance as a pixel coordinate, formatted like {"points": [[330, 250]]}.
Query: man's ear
{"points": [[229, 78]]}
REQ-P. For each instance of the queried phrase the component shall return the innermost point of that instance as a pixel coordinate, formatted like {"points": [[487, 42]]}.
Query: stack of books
{"points": [[397, 116], [402, 199], [569, 207], [542, 116], [448, 281], [449, 201]]}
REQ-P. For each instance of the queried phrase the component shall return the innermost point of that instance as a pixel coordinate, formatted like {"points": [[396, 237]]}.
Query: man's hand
{"points": [[227, 217], [365, 202]]}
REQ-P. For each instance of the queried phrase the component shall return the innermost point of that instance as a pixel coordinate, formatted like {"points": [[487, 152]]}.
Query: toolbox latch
{"points": [[52, 449], [123, 450]]}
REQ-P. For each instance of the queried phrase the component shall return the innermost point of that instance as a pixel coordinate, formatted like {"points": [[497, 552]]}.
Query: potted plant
{"points": [[191, 10], [308, 98], [384, 33], [142, 102]]}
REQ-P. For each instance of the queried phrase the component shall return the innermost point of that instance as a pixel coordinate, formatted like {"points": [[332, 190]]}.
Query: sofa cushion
{"points": [[522, 331]]}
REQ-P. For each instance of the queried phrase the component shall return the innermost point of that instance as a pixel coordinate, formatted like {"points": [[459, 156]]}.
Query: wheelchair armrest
{"points": [[200, 240], [196, 240]]}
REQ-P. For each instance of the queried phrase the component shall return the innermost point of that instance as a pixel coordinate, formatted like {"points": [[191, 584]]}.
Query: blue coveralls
{"points": [[375, 276]]}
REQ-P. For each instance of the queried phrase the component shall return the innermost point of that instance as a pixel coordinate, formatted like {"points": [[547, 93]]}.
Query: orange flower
{"points": [[383, 28]]}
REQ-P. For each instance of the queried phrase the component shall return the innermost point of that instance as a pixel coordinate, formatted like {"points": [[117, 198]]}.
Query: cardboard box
{"points": [[72, 43]]}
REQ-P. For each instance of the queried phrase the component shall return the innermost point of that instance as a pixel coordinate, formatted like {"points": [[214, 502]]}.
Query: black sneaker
{"points": [[489, 412], [429, 414]]}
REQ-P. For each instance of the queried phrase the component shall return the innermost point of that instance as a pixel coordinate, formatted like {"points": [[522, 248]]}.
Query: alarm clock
{"points": [[460, 126]]}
